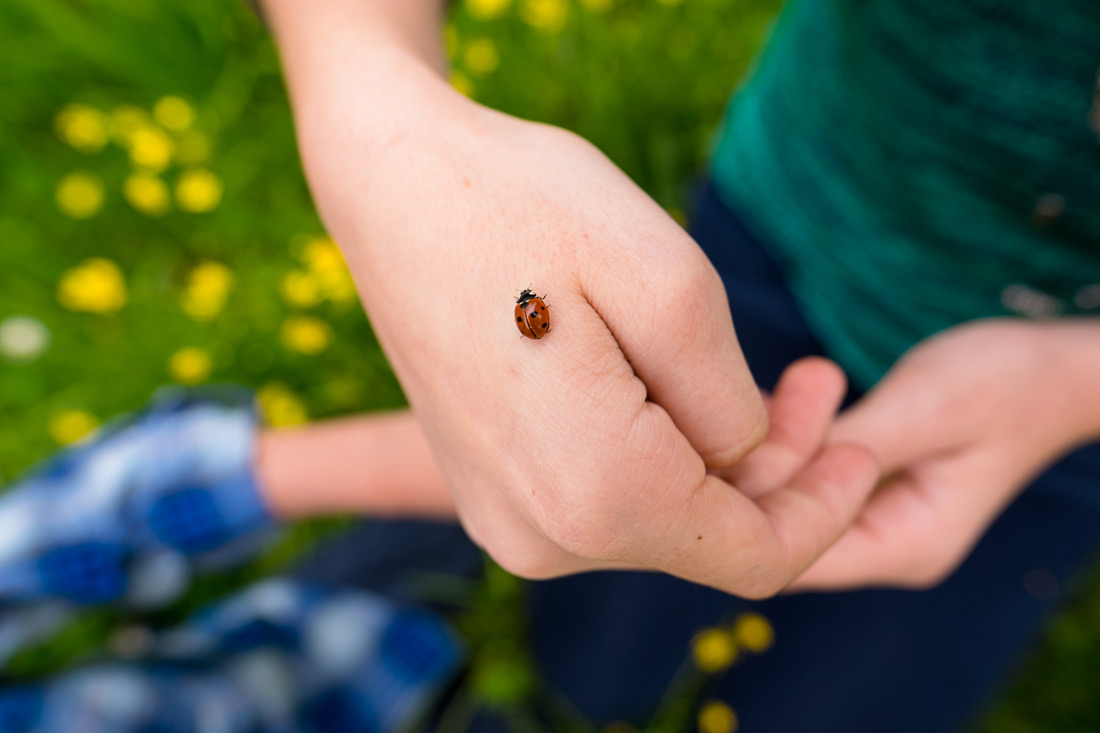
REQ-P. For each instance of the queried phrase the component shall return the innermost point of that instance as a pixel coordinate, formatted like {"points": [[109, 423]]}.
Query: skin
{"points": [[604, 444], [961, 425]]}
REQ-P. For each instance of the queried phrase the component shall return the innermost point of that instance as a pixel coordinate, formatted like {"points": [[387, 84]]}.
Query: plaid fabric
{"points": [[126, 520]]}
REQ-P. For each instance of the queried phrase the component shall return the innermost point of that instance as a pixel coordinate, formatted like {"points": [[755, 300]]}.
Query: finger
{"points": [[915, 529], [902, 420], [802, 411], [670, 315], [723, 539], [820, 502]]}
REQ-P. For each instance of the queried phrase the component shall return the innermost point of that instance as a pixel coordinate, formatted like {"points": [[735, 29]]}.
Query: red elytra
{"points": [[532, 315]]}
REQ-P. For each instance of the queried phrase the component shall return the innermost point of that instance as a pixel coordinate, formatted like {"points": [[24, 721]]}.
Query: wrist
{"points": [[1073, 349]]}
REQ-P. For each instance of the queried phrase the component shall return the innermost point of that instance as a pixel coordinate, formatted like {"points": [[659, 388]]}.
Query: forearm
{"points": [[382, 40], [379, 464]]}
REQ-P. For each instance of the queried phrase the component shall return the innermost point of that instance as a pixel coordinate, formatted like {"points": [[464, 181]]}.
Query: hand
{"points": [[960, 425], [589, 448]]}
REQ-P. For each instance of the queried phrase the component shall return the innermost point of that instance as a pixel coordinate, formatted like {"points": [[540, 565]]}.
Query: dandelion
{"points": [[462, 84], [280, 406], [481, 57], [79, 195], [717, 717], [151, 148], [147, 193], [72, 425], [198, 190], [125, 121], [486, 9], [753, 632], [23, 339], [326, 264], [548, 16], [95, 286], [713, 650], [190, 365], [301, 289], [174, 113], [322, 255], [207, 289], [306, 334], [82, 127]]}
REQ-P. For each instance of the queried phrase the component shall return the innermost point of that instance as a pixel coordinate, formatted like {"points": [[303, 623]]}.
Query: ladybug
{"points": [[532, 316]]}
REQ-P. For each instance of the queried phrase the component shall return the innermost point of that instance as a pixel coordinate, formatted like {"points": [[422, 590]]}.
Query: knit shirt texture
{"points": [[914, 164]]}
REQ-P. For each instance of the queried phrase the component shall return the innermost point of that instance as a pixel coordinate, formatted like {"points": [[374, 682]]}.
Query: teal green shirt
{"points": [[918, 163]]}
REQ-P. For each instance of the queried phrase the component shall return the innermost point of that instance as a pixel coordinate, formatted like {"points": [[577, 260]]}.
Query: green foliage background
{"points": [[645, 80]]}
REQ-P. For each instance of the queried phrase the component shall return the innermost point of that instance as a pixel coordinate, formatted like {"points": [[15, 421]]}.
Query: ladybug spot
{"points": [[519, 319], [546, 325]]}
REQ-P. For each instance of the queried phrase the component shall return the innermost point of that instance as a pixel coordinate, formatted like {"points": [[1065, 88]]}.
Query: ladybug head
{"points": [[525, 296]]}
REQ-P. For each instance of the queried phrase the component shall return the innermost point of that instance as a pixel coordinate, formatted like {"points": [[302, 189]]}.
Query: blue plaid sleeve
{"points": [[281, 656], [128, 517]]}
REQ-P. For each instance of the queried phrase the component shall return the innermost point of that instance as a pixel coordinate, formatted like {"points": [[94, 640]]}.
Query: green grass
{"points": [[646, 81]]}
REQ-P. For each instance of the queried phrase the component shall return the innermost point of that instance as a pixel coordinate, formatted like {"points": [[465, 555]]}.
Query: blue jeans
{"points": [[858, 662]]}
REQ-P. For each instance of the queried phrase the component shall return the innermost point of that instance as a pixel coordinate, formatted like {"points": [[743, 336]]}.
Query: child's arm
{"points": [[377, 464]]}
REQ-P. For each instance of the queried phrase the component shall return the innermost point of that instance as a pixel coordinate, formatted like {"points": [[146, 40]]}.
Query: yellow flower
{"points": [[462, 83], [323, 258], [192, 148], [306, 334], [79, 195], [322, 255], [548, 16], [151, 148], [481, 57], [95, 286], [125, 121], [713, 650], [198, 190], [717, 717], [486, 9], [72, 425], [280, 406], [208, 287], [190, 365], [174, 113], [301, 289], [598, 6], [753, 632], [82, 127], [147, 193]]}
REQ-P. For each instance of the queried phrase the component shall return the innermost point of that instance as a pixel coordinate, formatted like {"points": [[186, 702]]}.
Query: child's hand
{"points": [[589, 448], [961, 425]]}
